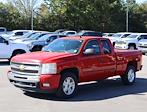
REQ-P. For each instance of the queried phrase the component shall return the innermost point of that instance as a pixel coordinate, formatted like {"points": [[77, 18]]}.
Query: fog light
{"points": [[46, 84]]}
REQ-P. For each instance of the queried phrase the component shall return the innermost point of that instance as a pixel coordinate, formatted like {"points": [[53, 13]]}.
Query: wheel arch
{"points": [[134, 44], [73, 69], [18, 50], [132, 63]]}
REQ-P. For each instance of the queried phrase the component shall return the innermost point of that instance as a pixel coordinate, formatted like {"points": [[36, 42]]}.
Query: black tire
{"points": [[61, 90], [16, 53], [132, 47], [130, 76]]}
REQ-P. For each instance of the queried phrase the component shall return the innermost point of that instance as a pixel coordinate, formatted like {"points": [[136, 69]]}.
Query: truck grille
{"points": [[25, 69], [120, 42]]}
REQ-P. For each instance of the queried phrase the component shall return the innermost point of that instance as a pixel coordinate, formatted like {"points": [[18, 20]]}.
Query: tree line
{"points": [[98, 15]]}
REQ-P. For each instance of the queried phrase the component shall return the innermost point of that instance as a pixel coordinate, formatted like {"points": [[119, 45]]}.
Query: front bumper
{"points": [[42, 84]]}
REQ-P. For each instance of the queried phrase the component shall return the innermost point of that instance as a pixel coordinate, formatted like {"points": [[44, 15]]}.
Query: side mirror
{"points": [[89, 51]]}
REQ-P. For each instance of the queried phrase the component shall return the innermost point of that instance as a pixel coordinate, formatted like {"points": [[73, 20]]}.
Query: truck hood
{"points": [[40, 57], [128, 39], [24, 42], [114, 39], [143, 41]]}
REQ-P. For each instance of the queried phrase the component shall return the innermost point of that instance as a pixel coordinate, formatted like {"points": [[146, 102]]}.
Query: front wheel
{"points": [[130, 75], [68, 85], [132, 47]]}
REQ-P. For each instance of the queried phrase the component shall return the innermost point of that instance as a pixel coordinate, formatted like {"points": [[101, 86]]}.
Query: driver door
{"points": [[4, 49], [91, 64]]}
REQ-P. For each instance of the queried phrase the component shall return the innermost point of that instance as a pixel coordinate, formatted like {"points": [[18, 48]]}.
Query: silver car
{"points": [[143, 45]]}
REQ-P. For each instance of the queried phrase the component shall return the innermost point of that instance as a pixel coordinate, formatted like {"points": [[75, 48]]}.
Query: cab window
{"points": [[143, 37], [93, 44], [106, 46]]}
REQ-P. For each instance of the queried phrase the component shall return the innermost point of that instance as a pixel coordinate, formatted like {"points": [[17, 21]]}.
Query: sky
{"points": [[138, 1]]}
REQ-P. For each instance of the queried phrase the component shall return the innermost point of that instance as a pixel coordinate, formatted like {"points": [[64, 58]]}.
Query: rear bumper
{"points": [[42, 84]]}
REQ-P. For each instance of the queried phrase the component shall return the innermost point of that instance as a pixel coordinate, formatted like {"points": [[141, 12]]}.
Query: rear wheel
{"points": [[68, 85], [132, 47], [130, 75]]}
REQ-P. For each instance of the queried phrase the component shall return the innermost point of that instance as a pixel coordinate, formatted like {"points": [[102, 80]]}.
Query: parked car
{"points": [[38, 44], [131, 42], [59, 31], [117, 36], [69, 33], [3, 30], [17, 33], [143, 44], [28, 35], [68, 61], [108, 34], [89, 33], [33, 36], [10, 49]]}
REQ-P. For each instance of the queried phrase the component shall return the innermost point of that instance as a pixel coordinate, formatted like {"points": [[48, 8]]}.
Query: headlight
{"points": [[50, 68], [30, 46]]}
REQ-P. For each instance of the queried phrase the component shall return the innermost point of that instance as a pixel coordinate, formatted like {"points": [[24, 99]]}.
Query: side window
{"points": [[126, 35], [143, 37], [60, 36], [53, 38], [1, 40], [106, 46], [93, 44], [19, 33], [70, 33]]}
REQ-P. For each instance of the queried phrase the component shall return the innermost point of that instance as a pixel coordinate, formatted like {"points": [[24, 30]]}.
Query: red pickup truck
{"points": [[65, 62]]}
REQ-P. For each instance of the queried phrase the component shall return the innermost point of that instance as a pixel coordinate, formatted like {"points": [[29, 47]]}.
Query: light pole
{"points": [[127, 17], [32, 15]]}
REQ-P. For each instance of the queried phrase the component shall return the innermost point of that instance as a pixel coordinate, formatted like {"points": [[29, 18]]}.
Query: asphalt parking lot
{"points": [[109, 95]]}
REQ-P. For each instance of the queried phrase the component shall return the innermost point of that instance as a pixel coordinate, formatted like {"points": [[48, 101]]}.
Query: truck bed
{"points": [[125, 56]]}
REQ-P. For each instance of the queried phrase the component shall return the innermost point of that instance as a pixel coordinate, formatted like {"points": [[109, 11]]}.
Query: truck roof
{"points": [[81, 37]]}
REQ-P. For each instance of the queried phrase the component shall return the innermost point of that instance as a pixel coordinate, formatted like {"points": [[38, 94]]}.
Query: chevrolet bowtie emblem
{"points": [[21, 67]]}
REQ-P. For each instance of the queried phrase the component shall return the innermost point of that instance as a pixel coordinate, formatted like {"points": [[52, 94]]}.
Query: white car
{"points": [[117, 36], [17, 33], [32, 39], [143, 45], [69, 33], [3, 30], [10, 49], [130, 42]]}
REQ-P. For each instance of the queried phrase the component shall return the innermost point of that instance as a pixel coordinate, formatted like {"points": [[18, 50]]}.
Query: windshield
{"points": [[45, 37], [132, 36], [27, 34], [34, 36], [117, 35], [64, 45]]}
